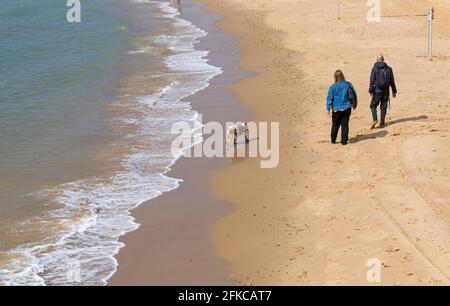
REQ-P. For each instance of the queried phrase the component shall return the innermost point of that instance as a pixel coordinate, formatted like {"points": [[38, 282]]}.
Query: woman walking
{"points": [[341, 98]]}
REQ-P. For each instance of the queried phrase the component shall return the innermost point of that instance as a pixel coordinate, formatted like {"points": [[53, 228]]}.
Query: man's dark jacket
{"points": [[374, 74]]}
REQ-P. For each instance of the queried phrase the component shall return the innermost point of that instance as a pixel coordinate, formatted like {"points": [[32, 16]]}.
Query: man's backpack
{"points": [[352, 96], [383, 78]]}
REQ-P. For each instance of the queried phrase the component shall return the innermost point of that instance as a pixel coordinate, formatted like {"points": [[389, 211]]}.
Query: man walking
{"points": [[381, 80]]}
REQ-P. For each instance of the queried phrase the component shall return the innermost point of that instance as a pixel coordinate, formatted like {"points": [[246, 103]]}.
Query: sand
{"points": [[328, 209]]}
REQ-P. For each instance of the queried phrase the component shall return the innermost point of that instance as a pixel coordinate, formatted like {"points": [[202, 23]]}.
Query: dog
{"points": [[84, 201], [236, 130]]}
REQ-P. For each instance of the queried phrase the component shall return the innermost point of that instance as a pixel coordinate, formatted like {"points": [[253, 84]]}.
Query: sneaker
{"points": [[382, 125], [374, 124]]}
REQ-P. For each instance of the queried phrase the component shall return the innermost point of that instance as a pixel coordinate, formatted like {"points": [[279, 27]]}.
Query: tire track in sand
{"points": [[405, 173], [409, 231]]}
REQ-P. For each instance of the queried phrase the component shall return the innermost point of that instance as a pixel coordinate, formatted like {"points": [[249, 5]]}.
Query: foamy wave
{"points": [[142, 50], [19, 268], [95, 213]]}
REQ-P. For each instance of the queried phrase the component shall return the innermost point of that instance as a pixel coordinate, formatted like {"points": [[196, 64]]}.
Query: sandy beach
{"points": [[327, 210]]}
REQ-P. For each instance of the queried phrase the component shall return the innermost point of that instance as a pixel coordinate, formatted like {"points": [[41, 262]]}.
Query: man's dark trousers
{"points": [[341, 120], [381, 96]]}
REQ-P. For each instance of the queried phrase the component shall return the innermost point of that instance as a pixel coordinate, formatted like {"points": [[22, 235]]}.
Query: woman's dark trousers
{"points": [[341, 120]]}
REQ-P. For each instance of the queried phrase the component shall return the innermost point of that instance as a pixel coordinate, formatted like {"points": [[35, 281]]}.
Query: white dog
{"points": [[236, 130], [84, 201]]}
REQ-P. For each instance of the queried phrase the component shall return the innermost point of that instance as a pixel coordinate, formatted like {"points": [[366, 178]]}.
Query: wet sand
{"points": [[173, 245]]}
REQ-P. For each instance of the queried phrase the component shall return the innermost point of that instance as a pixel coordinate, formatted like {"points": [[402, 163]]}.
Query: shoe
{"points": [[374, 124], [382, 125], [344, 143], [333, 141]]}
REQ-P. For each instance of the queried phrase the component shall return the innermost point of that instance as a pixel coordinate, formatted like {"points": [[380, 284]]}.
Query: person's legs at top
{"points": [[384, 107], [345, 119], [336, 123]]}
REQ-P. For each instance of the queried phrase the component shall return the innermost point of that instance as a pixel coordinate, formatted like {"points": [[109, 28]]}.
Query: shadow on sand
{"points": [[378, 134], [384, 133], [402, 120]]}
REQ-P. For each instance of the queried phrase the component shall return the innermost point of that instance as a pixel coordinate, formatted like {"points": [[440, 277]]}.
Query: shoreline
{"points": [[172, 245]]}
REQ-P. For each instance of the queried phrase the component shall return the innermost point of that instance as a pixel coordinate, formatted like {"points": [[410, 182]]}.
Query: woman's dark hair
{"points": [[339, 76]]}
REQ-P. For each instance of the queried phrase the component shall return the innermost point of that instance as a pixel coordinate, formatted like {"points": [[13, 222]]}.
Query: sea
{"points": [[86, 111]]}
